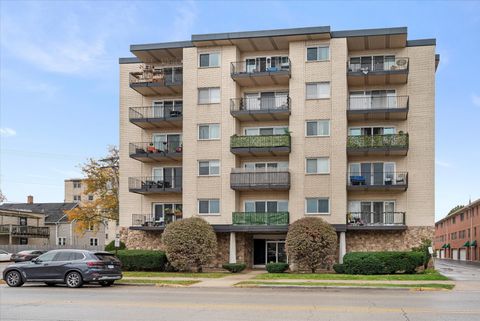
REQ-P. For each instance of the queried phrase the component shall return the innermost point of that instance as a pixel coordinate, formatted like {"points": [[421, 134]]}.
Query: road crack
{"points": [[405, 314]]}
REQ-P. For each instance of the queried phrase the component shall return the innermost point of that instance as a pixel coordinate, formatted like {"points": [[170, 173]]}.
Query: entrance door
{"points": [[455, 254], [252, 102], [275, 252], [463, 254], [259, 252]]}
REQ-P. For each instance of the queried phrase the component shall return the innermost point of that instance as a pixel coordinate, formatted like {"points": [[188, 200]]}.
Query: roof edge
{"points": [[421, 42], [261, 33], [369, 32], [460, 210], [161, 45], [129, 60]]}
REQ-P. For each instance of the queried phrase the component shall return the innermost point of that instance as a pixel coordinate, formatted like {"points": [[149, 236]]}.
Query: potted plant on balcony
{"points": [[178, 214]]}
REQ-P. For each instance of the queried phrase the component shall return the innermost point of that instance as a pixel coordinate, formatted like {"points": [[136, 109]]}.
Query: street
{"points": [[38, 302]]}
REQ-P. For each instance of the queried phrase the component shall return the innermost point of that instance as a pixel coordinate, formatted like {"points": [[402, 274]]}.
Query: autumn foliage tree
{"points": [[101, 180], [3, 198]]}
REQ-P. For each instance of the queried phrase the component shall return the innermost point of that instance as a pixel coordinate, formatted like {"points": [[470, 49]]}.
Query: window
{"points": [[321, 53], [210, 131], [166, 212], [369, 131], [462, 217], [77, 184], [255, 131], [317, 90], [265, 166], [90, 197], [317, 206], [318, 128], [209, 59], [77, 198], [209, 206], [266, 206], [209, 95], [93, 241], [23, 240], [209, 168], [62, 241], [320, 165]]}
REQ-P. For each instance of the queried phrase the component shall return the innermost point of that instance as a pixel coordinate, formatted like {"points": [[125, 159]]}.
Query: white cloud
{"points": [[442, 163], [7, 132], [476, 100]]}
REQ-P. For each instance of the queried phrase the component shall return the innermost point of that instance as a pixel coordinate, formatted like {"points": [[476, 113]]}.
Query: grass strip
{"points": [[336, 284], [430, 275], [159, 282], [209, 275]]}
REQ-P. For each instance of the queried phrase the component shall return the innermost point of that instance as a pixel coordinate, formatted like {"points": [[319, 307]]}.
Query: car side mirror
{"points": [[36, 261]]}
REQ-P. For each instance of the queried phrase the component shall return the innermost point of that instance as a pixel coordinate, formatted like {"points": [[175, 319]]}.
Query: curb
{"points": [[327, 287]]}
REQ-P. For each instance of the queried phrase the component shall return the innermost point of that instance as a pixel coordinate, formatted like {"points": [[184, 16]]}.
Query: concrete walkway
{"points": [[227, 281]]}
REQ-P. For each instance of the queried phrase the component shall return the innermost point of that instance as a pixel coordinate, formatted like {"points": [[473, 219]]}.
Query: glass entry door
{"points": [[275, 252]]}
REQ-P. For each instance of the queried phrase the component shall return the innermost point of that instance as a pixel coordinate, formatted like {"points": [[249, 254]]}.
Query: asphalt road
{"points": [[34, 302]]}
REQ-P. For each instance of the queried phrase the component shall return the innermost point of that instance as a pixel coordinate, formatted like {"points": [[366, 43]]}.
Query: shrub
{"points": [[277, 267], [140, 260], [426, 243], [339, 268], [111, 246], [190, 243], [234, 267], [311, 243], [382, 262]]}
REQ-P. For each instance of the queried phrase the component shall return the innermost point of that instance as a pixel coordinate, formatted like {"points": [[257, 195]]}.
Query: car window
{"points": [[76, 256], [63, 256], [47, 257], [3, 252], [106, 257]]}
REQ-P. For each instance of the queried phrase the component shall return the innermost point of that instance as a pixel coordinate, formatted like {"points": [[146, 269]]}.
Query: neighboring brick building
{"points": [[458, 234], [254, 130]]}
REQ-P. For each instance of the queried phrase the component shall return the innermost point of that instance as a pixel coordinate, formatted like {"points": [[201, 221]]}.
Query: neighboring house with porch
{"points": [[23, 227]]}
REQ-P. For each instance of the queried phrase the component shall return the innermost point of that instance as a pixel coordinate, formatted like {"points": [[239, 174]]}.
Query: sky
{"points": [[59, 76]]}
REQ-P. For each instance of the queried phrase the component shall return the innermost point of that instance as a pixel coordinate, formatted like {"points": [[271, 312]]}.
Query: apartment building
{"points": [[456, 235], [254, 130]]}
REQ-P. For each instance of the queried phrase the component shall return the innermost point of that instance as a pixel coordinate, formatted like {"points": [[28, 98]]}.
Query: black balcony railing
{"points": [[275, 65], [378, 179], [154, 113], [260, 141], [163, 76], [260, 218], [148, 220], [25, 231], [375, 218], [387, 64], [247, 179], [155, 184], [260, 104], [377, 141], [156, 149], [377, 102]]}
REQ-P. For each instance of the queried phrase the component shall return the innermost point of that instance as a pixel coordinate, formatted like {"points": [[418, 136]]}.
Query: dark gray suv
{"points": [[72, 267]]}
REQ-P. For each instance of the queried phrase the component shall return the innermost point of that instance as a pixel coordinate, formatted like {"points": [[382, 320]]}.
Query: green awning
{"points": [[447, 246], [473, 243], [443, 246], [467, 244]]}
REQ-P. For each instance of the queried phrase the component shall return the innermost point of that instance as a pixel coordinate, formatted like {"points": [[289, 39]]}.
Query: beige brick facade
{"points": [[416, 201]]}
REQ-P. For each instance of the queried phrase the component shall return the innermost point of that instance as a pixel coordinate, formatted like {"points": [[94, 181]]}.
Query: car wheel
{"points": [[14, 279], [106, 283], [50, 283], [74, 280]]}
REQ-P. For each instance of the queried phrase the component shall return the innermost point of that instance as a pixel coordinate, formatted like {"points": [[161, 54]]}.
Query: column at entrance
{"points": [[233, 249], [343, 247]]}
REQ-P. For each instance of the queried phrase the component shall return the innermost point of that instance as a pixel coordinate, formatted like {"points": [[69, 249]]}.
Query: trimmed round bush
{"points": [[190, 244], [311, 243], [276, 267], [141, 260], [339, 268], [234, 267], [111, 246]]}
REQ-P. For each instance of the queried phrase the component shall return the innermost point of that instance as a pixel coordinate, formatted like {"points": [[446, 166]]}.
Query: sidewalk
{"points": [[227, 281]]}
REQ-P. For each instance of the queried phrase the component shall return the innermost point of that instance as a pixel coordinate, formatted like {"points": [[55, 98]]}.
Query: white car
{"points": [[5, 256]]}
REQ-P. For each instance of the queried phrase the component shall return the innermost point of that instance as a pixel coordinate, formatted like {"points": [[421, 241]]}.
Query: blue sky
{"points": [[59, 76]]}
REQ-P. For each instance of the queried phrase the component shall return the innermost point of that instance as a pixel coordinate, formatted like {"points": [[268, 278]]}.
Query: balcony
{"points": [[148, 152], [260, 109], [383, 145], [378, 181], [366, 108], [155, 185], [376, 221], [260, 218], [154, 81], [156, 117], [249, 75], [148, 221], [261, 145], [24, 231], [388, 70], [248, 180]]}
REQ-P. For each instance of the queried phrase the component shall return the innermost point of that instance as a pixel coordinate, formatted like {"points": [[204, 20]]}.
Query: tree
{"points": [[456, 208], [3, 198], [311, 243], [101, 182], [189, 243]]}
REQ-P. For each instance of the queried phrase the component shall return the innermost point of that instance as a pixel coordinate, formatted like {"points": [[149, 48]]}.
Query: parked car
{"points": [[23, 256], [5, 256], [71, 267]]}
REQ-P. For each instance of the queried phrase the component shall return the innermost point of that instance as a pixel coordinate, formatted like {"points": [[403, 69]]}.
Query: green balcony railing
{"points": [[260, 141], [378, 141], [260, 218]]}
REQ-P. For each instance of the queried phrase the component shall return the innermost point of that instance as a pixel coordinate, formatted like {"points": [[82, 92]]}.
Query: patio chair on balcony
{"points": [[400, 179], [357, 180]]}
